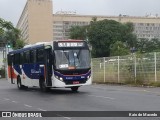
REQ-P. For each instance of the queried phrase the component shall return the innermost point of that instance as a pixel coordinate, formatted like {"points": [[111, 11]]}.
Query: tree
{"points": [[1, 27], [142, 44], [10, 35], [109, 37], [78, 32], [4, 25], [129, 38], [19, 44], [103, 34], [146, 45], [153, 45], [130, 26], [119, 49], [94, 19]]}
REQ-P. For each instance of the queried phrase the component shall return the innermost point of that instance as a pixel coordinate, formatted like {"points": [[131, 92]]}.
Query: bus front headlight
{"points": [[61, 78]]}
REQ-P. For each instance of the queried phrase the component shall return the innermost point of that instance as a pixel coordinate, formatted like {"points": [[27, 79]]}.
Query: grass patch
{"points": [[156, 84]]}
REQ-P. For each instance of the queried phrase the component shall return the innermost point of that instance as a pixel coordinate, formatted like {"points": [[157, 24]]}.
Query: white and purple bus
{"points": [[55, 64]]}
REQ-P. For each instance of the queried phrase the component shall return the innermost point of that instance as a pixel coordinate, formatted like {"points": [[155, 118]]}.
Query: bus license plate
{"points": [[75, 82]]}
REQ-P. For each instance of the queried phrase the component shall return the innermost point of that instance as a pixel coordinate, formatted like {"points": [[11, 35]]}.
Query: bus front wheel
{"points": [[43, 86], [74, 89], [19, 84]]}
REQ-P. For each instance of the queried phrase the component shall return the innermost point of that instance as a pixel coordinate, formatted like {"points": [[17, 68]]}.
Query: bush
{"points": [[156, 84], [139, 80], [2, 73]]}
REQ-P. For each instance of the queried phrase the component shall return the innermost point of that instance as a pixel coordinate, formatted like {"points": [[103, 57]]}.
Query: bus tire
{"points": [[43, 86], [74, 89], [19, 84]]}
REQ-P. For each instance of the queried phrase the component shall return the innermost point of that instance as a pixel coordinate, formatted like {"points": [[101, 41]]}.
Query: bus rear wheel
{"points": [[74, 89]]}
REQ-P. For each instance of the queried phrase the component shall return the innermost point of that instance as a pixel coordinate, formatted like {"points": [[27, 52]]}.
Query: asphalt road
{"points": [[89, 98]]}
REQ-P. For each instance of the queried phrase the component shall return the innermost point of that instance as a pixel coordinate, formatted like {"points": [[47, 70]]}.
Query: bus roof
{"points": [[25, 49], [42, 44], [70, 40]]}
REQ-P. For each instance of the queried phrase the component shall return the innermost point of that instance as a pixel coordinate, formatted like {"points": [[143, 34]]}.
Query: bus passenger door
{"points": [[48, 65], [10, 69]]}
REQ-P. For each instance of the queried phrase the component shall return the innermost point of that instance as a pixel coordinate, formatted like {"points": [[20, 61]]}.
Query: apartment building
{"points": [[38, 23], [35, 22]]}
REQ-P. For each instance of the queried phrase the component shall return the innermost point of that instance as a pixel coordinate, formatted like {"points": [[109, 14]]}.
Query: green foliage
{"points": [[156, 84], [94, 19], [119, 49], [19, 44], [130, 27], [145, 45], [78, 32], [2, 72], [5, 24], [104, 34], [10, 35], [110, 38]]}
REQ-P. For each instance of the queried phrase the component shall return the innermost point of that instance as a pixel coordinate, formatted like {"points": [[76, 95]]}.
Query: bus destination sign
{"points": [[70, 44]]}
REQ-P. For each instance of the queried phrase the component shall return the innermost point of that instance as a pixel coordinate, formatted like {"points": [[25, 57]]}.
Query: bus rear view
{"points": [[72, 64]]}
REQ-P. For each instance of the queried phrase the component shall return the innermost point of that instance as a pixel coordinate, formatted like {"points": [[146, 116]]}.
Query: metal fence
{"points": [[134, 68]]}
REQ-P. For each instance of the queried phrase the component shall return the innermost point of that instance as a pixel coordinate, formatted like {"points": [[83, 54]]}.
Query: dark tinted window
{"points": [[40, 55], [34, 56], [26, 57], [9, 59], [31, 57], [21, 58], [16, 59]]}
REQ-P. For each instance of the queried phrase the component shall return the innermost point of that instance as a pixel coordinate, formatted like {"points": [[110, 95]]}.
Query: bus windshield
{"points": [[72, 59]]}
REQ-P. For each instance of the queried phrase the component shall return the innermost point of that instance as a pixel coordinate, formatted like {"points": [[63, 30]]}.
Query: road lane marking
{"points": [[151, 92], [143, 90], [102, 97], [6, 99], [116, 89], [63, 116], [14, 101], [41, 109], [2, 100], [27, 105]]}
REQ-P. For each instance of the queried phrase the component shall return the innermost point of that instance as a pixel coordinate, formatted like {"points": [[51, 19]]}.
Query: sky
{"points": [[11, 10]]}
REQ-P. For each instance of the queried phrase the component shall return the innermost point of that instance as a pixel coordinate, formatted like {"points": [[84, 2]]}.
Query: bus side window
{"points": [[31, 57], [53, 60], [27, 57], [34, 56], [16, 60], [40, 55], [24, 57], [21, 58], [9, 59]]}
